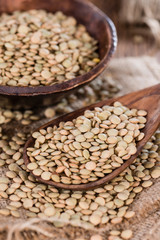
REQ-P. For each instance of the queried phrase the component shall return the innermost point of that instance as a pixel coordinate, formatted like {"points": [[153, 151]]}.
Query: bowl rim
{"points": [[77, 81]]}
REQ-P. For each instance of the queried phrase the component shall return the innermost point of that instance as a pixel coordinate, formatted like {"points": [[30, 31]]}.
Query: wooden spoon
{"points": [[147, 99]]}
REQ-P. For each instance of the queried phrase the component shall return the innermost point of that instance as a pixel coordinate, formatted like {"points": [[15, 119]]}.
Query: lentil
{"points": [[96, 237], [95, 208], [76, 164], [46, 56], [126, 234], [42, 195]]}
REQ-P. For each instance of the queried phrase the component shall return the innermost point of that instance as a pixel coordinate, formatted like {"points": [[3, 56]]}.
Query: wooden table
{"points": [[129, 43]]}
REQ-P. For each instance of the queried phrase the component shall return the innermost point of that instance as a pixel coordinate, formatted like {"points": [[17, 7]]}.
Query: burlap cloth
{"points": [[129, 74]]}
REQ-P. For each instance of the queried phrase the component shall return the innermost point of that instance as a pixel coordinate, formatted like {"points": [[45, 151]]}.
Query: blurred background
{"points": [[138, 25]]}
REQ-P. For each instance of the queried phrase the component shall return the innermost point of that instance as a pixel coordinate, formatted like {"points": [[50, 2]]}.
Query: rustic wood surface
{"points": [[130, 43]]}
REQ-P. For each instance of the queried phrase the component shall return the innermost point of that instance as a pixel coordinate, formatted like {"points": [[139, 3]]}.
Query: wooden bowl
{"points": [[97, 24]]}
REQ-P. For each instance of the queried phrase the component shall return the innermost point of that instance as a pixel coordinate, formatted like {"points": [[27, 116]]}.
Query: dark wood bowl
{"points": [[98, 25]]}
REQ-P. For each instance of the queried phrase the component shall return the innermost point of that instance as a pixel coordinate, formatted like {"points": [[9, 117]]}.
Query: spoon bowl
{"points": [[147, 99]]}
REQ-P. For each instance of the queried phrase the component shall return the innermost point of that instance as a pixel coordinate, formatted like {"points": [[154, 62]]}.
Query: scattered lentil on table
{"points": [[94, 207], [22, 186], [42, 48]]}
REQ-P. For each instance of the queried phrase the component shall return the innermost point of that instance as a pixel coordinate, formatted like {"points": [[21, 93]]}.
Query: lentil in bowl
{"points": [[99, 26]]}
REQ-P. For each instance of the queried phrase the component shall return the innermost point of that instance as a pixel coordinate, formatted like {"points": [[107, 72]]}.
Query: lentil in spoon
{"points": [[102, 152]]}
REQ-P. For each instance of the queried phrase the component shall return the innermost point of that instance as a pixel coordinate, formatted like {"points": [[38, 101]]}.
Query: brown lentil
{"points": [[42, 194], [41, 48], [86, 160]]}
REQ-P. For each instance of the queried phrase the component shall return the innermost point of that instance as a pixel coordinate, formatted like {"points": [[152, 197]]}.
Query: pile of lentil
{"points": [[39, 48], [88, 147], [21, 195], [96, 207]]}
